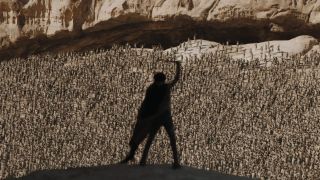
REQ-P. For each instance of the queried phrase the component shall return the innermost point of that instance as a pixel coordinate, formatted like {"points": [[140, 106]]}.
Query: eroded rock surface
{"points": [[26, 19]]}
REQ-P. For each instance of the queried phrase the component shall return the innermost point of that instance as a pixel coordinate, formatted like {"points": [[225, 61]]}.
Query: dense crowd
{"points": [[232, 116]]}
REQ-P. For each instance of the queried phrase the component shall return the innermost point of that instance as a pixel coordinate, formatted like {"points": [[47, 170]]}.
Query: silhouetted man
{"points": [[155, 111]]}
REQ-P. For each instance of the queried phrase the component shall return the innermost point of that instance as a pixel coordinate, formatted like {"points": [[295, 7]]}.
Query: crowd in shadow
{"points": [[230, 116]]}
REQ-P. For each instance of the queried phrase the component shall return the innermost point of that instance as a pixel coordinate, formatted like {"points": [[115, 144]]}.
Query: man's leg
{"points": [[170, 130], [152, 134], [139, 134], [130, 156]]}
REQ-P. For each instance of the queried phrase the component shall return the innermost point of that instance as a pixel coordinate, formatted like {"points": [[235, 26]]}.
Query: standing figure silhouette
{"points": [[155, 111]]}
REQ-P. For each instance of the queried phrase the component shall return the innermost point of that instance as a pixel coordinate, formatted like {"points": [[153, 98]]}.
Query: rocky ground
{"points": [[124, 172]]}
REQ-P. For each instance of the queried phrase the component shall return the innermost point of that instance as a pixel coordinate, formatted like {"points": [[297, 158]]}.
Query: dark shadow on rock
{"points": [[129, 172]]}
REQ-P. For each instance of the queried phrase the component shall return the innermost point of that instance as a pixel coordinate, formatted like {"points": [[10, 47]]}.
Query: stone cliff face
{"points": [[28, 19]]}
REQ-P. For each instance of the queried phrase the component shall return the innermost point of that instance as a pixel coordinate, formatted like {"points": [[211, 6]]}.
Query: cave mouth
{"points": [[173, 32], [149, 33]]}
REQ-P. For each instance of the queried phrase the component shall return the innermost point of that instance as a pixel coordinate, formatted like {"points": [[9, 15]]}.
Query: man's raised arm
{"points": [[177, 76]]}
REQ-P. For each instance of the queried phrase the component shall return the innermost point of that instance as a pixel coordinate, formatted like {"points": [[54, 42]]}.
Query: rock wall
{"points": [[32, 18]]}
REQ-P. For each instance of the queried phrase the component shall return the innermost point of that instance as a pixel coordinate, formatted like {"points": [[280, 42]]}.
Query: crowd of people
{"points": [[232, 116]]}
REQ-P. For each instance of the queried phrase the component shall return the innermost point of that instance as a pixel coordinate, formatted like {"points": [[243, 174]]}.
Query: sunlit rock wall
{"points": [[32, 18]]}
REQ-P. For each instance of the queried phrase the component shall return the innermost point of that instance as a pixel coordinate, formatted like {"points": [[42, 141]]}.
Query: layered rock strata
{"points": [[27, 19]]}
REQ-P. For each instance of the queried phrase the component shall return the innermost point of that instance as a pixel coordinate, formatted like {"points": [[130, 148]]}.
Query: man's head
{"points": [[159, 78]]}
